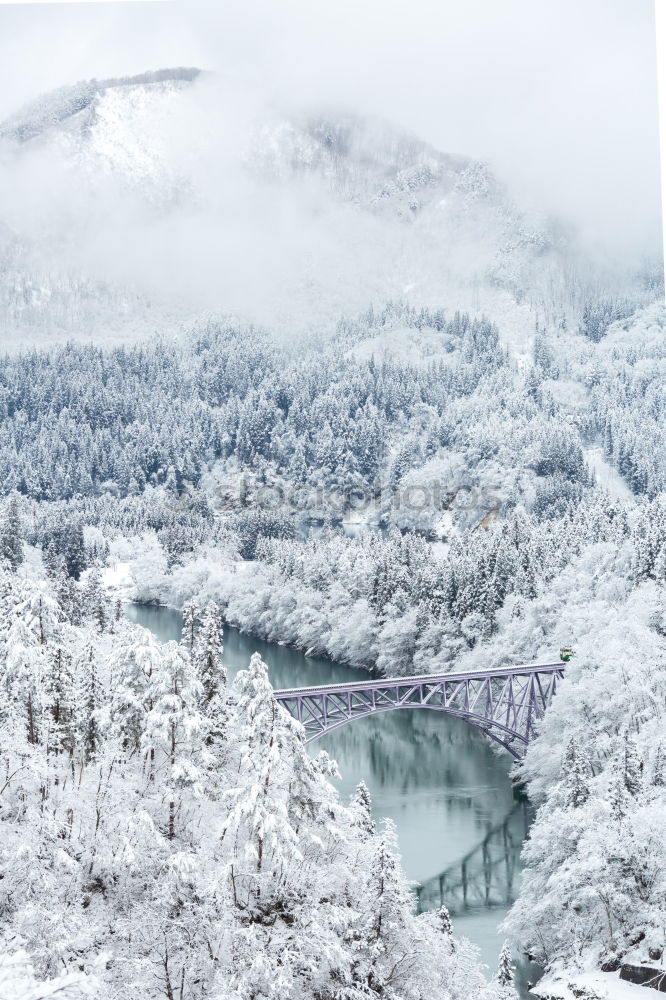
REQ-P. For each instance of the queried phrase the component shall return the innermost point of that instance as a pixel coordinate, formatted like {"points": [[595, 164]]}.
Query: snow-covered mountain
{"points": [[140, 204]]}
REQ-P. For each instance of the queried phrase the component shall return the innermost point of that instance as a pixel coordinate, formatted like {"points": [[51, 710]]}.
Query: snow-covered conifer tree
{"points": [[659, 767], [259, 804], [444, 921], [575, 772], [94, 600], [190, 626], [208, 650], [135, 657], [505, 970], [75, 551], [69, 598], [58, 700], [618, 797], [88, 702], [382, 929], [23, 676], [11, 543], [172, 734], [361, 806], [633, 767]]}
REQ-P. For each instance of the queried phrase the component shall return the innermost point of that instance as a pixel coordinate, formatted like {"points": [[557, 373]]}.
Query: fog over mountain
{"points": [[561, 99], [167, 187], [161, 198], [317, 165]]}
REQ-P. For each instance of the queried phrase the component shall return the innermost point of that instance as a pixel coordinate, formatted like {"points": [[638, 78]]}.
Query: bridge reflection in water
{"points": [[487, 877]]}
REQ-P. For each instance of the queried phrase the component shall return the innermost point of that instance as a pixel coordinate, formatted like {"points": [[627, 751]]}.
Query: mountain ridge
{"points": [[56, 106], [158, 187]]}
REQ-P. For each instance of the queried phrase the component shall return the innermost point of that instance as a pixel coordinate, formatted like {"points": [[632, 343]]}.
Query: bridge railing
{"points": [[496, 673]]}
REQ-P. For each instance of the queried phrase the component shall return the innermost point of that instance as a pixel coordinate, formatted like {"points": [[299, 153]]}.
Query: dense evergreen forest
{"points": [[510, 506], [222, 468]]}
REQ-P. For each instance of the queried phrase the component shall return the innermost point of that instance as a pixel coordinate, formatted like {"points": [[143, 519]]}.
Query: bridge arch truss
{"points": [[507, 704]]}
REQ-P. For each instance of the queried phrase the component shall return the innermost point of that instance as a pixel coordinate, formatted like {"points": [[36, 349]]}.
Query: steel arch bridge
{"points": [[506, 704]]}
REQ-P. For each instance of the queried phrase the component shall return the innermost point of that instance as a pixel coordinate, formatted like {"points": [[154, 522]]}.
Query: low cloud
{"points": [[560, 100]]}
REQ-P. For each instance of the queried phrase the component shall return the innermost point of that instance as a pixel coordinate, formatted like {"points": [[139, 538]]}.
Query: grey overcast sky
{"points": [[560, 96]]}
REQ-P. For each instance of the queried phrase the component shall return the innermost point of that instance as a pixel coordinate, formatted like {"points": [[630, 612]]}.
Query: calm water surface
{"points": [[460, 821]]}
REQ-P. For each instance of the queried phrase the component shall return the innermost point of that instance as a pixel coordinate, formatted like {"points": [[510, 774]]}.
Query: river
{"points": [[460, 820]]}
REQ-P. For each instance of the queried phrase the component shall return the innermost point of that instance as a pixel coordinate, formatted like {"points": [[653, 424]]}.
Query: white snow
{"points": [[401, 343], [117, 578], [606, 476], [607, 985]]}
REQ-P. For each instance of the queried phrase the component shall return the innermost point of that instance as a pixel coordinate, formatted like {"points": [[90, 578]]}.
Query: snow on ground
{"points": [[367, 517], [515, 321], [117, 579], [605, 985], [606, 475], [410, 345], [401, 343]]}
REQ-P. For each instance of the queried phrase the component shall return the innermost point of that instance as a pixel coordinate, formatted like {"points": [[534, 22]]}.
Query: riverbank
{"points": [[388, 605], [589, 986]]}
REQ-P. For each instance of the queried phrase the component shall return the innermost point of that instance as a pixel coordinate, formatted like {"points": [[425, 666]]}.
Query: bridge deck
{"points": [[452, 678]]}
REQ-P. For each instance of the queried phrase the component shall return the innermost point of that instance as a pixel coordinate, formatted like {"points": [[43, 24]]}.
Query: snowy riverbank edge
{"points": [[588, 986]]}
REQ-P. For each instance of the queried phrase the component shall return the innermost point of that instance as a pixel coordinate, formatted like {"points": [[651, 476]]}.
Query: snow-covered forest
{"points": [[447, 456], [220, 458], [165, 836], [531, 551]]}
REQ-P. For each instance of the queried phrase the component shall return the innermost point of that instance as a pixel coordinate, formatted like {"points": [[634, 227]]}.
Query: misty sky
{"points": [[560, 97]]}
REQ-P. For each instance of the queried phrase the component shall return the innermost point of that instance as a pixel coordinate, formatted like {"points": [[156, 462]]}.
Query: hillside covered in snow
{"points": [[134, 205]]}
